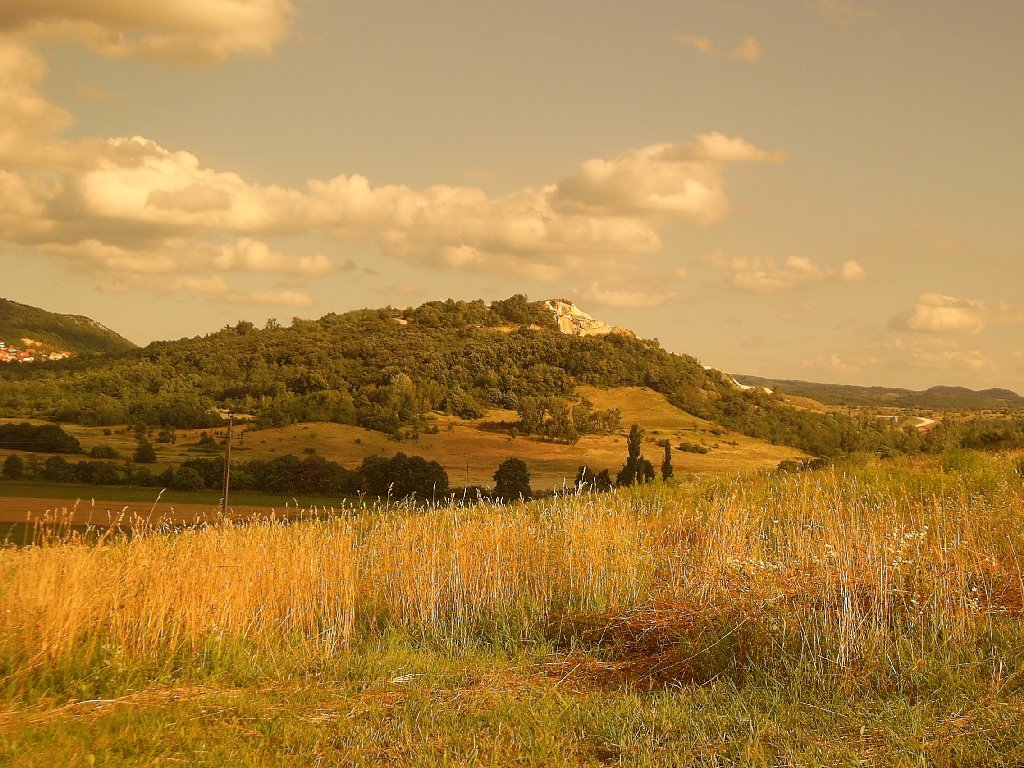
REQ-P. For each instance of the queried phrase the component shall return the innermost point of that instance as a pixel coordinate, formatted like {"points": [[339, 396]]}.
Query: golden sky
{"points": [[818, 189]]}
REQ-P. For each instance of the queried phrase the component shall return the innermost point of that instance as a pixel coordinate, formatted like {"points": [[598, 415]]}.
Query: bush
{"points": [[187, 479], [14, 467], [693, 448], [145, 453], [512, 480]]}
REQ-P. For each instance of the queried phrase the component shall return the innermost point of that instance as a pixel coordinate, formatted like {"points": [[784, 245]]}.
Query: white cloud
{"points": [[938, 313], [181, 31], [765, 275], [248, 255], [625, 299], [127, 206], [28, 122], [686, 180]]}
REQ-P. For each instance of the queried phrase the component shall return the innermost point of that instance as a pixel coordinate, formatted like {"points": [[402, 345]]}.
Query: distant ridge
{"points": [[937, 397], [24, 325]]}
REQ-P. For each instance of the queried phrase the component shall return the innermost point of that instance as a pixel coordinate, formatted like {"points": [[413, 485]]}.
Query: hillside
{"points": [[938, 397], [395, 371], [23, 326]]}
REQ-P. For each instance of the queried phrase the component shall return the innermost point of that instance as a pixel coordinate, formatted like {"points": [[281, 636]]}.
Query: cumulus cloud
{"points": [[682, 179], [127, 206], [938, 313], [255, 256], [29, 122], [182, 31], [765, 275]]}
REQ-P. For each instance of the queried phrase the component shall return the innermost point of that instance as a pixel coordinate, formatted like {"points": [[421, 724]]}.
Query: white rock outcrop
{"points": [[574, 321]]}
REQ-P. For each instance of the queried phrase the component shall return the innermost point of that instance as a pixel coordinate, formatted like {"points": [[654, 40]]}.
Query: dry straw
{"points": [[841, 571]]}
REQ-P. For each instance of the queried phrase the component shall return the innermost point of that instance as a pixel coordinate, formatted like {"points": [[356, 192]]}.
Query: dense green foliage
{"points": [[44, 438], [72, 333], [512, 480], [400, 476], [637, 469], [587, 479], [666, 463], [388, 369], [14, 468]]}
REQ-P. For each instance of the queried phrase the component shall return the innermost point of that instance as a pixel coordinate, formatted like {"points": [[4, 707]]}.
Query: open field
{"points": [[867, 614], [470, 451]]}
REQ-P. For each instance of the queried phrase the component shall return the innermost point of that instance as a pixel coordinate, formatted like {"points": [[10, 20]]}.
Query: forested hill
{"points": [[22, 325], [391, 369], [939, 397]]}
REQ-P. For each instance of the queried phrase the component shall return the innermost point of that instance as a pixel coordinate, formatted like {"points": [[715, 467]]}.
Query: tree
{"points": [[57, 469], [666, 463], [14, 467], [187, 479], [637, 469], [145, 453], [103, 452], [512, 480]]}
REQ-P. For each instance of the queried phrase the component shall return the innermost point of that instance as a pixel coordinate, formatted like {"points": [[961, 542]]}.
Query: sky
{"points": [[828, 190]]}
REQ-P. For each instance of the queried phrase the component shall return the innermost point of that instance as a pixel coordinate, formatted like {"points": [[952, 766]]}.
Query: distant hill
{"points": [[937, 398], [396, 371], [22, 325]]}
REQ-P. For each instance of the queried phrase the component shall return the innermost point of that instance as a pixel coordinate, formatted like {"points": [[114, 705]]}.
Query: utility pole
{"points": [[227, 466]]}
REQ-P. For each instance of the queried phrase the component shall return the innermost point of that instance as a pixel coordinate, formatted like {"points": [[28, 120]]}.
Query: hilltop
{"points": [[23, 326]]}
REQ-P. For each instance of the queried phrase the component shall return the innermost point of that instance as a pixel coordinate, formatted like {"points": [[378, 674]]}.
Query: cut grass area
{"points": [[404, 706]]}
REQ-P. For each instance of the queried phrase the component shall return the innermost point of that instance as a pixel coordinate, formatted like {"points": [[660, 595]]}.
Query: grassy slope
{"points": [[57, 332], [483, 444], [866, 617]]}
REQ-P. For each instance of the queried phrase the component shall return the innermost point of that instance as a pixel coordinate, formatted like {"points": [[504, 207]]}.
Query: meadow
{"points": [[869, 613], [469, 450]]}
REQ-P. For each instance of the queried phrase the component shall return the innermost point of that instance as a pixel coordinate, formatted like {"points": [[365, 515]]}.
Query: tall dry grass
{"points": [[841, 573]]}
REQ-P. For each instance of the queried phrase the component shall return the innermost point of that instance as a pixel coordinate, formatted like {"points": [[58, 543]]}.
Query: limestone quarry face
{"points": [[575, 322]]}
